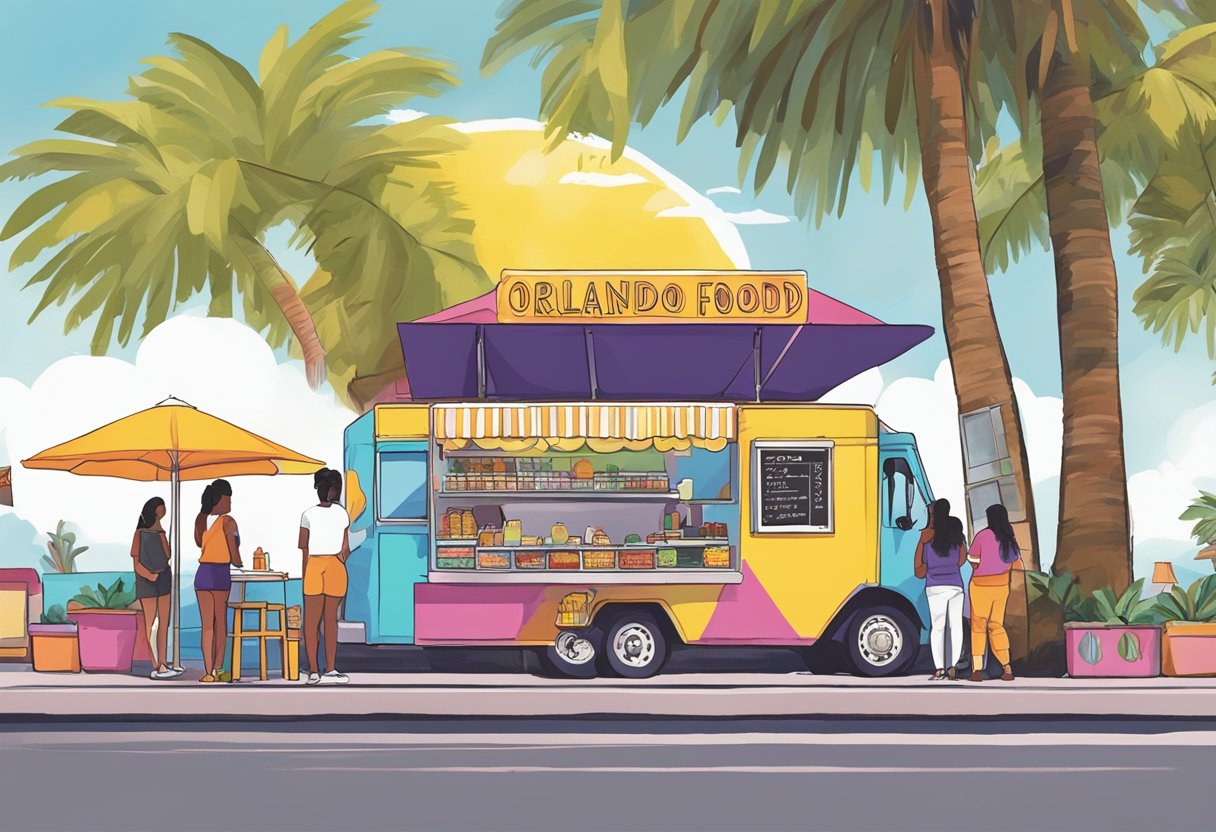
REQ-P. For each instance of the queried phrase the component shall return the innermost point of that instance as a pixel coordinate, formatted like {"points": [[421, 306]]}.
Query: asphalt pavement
{"points": [[589, 775]]}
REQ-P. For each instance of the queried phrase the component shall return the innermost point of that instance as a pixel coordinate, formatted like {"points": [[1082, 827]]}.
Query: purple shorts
{"points": [[213, 577]]}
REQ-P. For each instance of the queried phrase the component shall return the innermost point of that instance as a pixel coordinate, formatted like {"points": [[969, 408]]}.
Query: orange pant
{"points": [[989, 595]]}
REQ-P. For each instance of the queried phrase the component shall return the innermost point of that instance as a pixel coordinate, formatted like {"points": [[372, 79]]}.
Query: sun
{"points": [[574, 208]]}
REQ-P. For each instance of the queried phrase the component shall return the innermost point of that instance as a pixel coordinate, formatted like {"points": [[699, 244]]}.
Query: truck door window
{"points": [[402, 486], [903, 505]]}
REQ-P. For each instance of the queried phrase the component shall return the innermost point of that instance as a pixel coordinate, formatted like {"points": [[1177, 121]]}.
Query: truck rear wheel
{"points": [[635, 647], [574, 653], [880, 641]]}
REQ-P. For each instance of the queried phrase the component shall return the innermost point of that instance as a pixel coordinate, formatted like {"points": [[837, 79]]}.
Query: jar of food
{"points": [[559, 534]]}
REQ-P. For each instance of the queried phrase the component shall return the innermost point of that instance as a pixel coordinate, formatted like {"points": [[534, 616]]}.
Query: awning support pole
{"points": [[175, 610], [481, 363], [756, 361], [595, 383]]}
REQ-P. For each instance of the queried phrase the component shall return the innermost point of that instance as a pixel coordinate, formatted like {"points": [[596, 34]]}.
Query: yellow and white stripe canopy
{"points": [[603, 428]]}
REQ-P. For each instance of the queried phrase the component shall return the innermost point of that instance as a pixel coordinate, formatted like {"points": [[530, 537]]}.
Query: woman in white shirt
{"points": [[325, 544]]}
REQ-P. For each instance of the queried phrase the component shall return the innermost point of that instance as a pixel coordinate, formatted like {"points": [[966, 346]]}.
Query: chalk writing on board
{"points": [[794, 488]]}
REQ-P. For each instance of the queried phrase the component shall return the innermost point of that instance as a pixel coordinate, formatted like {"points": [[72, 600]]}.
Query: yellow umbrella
{"points": [[171, 442]]}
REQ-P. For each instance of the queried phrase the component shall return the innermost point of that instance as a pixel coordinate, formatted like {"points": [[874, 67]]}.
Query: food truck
{"points": [[599, 466]]}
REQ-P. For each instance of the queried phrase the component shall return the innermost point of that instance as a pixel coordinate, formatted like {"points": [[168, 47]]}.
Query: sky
{"points": [[877, 257]]}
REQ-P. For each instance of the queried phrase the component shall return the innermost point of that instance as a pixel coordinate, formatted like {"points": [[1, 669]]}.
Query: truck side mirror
{"points": [[905, 523]]}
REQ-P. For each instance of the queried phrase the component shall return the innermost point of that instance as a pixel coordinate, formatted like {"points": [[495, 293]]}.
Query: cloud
{"points": [[1158, 495], [724, 189], [928, 409], [757, 217], [602, 180], [402, 116], [220, 366]]}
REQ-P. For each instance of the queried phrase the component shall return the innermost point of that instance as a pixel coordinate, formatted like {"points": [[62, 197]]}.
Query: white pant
{"points": [[945, 603]]}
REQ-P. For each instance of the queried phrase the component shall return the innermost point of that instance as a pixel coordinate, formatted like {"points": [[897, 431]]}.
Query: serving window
{"points": [[630, 493]]}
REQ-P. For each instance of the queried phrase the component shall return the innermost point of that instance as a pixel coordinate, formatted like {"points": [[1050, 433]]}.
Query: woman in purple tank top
{"points": [[940, 562]]}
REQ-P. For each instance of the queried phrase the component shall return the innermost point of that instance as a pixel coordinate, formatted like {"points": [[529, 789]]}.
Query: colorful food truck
{"points": [[605, 486]]}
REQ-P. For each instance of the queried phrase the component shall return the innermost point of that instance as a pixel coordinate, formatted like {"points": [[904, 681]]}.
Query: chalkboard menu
{"points": [[793, 488]]}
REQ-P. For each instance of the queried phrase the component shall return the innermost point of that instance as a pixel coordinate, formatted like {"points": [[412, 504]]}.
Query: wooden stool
{"points": [[263, 634]]}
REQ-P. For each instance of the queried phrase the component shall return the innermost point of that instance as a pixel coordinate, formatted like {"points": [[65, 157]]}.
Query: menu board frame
{"points": [[758, 525]]}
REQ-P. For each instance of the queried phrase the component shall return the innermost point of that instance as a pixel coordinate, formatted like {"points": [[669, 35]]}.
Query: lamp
{"points": [[1163, 573]]}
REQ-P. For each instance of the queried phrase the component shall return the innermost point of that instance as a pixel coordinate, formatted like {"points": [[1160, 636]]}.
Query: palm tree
{"points": [[1094, 155], [819, 87], [171, 191]]}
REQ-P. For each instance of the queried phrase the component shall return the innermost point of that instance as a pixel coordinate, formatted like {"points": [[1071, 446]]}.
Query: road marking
{"points": [[274, 742], [956, 770]]}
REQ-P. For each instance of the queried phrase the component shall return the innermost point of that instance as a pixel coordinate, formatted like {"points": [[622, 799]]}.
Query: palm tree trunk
{"points": [[977, 356], [1094, 539], [287, 297]]}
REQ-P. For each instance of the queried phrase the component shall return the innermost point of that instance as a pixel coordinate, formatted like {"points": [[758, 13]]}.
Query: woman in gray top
{"points": [[154, 583]]}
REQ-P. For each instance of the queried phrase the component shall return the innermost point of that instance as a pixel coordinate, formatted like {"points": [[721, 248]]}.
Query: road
{"points": [[589, 775]]}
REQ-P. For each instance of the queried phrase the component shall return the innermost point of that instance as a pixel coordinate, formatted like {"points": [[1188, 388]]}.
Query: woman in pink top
{"points": [[994, 553]]}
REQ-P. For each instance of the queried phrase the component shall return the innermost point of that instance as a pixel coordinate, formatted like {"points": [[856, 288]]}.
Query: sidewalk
{"points": [[27, 695]]}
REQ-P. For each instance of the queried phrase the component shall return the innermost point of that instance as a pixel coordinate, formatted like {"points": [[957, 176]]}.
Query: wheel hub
{"points": [[634, 645], [880, 640], [574, 648]]}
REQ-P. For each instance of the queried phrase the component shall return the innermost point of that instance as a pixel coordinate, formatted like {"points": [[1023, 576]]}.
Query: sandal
{"points": [[207, 679], [938, 675]]}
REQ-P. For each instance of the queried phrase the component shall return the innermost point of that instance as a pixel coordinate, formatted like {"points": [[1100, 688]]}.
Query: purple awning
{"points": [[644, 362]]}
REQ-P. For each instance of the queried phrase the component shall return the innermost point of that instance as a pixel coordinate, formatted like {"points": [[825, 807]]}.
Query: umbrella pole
{"points": [[176, 612]]}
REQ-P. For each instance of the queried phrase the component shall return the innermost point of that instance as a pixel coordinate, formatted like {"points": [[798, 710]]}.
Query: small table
{"points": [[242, 577]]}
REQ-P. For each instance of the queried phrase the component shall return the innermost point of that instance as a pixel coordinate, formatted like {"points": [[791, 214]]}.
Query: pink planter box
{"points": [[1093, 650], [1190, 649], [107, 639]]}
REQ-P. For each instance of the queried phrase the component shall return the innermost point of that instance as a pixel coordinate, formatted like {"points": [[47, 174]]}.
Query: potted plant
{"points": [[55, 644], [1051, 600], [62, 546], [1188, 643], [1117, 636], [108, 627]]}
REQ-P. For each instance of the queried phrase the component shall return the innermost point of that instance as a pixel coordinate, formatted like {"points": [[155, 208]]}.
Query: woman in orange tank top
{"points": [[215, 532]]}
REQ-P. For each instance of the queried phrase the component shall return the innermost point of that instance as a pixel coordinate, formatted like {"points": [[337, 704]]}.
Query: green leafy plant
{"points": [[55, 615], [1203, 512], [1197, 603], [1104, 607], [62, 546], [113, 597], [1060, 592]]}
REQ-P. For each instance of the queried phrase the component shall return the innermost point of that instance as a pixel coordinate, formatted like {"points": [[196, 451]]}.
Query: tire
{"points": [[574, 654], [880, 641], [635, 646]]}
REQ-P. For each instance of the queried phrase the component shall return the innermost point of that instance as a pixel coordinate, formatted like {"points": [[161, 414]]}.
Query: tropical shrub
{"points": [[113, 597], [1203, 512], [55, 615], [62, 546], [1128, 609], [1059, 592], [1196, 603]]}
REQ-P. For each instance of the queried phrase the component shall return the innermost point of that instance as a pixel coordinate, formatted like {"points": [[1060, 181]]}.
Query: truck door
{"points": [[904, 517], [402, 537]]}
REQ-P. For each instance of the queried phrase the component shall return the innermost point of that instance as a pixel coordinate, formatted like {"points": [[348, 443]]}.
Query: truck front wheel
{"points": [[635, 647], [880, 641]]}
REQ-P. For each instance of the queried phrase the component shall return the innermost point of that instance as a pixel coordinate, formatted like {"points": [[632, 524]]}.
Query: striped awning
{"points": [[603, 428]]}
